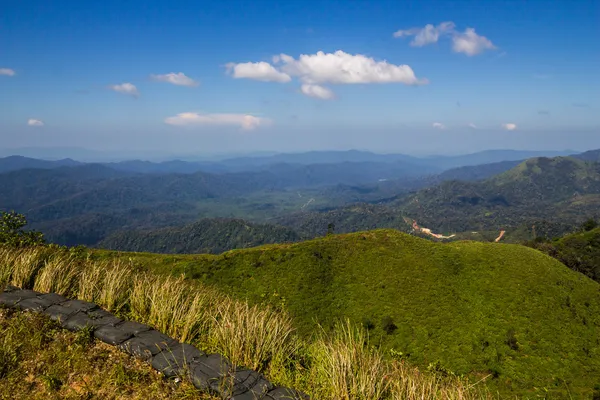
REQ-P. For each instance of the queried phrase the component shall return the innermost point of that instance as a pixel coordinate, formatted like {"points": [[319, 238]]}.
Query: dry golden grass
{"points": [[251, 336], [353, 369], [340, 366], [59, 274]]}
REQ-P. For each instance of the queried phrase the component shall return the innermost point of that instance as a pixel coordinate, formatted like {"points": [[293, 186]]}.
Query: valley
{"points": [[432, 266]]}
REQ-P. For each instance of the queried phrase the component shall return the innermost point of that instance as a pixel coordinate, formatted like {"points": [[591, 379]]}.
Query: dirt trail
{"points": [[500, 237], [427, 231]]}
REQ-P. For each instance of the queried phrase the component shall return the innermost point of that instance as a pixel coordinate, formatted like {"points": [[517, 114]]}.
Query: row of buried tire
{"points": [[211, 373]]}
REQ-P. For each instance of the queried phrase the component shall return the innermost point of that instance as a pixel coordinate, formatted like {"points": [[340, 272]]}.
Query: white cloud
{"points": [[244, 121], [178, 79], [344, 68], [470, 43], [509, 126], [472, 125], [7, 72], [125, 88], [428, 34], [313, 70], [260, 71], [438, 125], [467, 42], [34, 122], [317, 91]]}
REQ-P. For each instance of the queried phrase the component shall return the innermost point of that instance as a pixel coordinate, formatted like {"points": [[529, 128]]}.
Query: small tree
{"points": [[13, 234], [330, 228], [589, 225]]}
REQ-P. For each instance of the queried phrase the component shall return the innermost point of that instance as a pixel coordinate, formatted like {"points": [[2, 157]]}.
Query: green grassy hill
{"points": [[482, 309]]}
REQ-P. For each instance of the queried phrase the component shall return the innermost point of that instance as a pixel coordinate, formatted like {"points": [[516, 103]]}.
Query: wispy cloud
{"points": [[125, 88], [260, 71], [467, 42], [426, 35], [34, 122], [472, 125], [509, 126], [581, 105], [7, 72], [315, 70], [317, 91], [244, 121], [178, 79], [438, 125]]}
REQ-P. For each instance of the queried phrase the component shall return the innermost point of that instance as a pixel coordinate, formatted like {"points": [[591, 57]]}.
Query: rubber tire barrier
{"points": [[211, 373]]}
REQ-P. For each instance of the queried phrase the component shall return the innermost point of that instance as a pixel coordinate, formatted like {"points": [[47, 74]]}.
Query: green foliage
{"points": [[579, 251], [388, 326], [13, 234], [589, 225], [479, 308], [205, 236], [39, 361]]}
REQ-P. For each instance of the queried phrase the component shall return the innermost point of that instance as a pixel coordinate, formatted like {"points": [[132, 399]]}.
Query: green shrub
{"points": [[13, 234], [387, 323]]}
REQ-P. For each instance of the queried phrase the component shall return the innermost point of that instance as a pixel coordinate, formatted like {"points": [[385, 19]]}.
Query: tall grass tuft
{"points": [[91, 279], [408, 382], [25, 266], [252, 336], [347, 368], [113, 294], [6, 258], [59, 275], [171, 305]]}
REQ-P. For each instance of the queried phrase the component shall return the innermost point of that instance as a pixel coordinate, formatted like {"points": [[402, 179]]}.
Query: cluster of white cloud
{"points": [[314, 70], [178, 79], [244, 121], [467, 42], [7, 72], [34, 122], [125, 88], [260, 71]]}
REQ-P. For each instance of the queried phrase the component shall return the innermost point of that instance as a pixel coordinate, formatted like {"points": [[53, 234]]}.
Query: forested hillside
{"points": [[205, 236]]}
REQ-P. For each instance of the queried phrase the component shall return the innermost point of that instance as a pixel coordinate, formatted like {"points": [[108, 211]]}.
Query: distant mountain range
{"points": [[258, 163], [76, 203], [552, 193]]}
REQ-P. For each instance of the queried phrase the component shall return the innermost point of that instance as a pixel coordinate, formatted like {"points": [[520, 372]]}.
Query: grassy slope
{"points": [[579, 251], [41, 361], [475, 307]]}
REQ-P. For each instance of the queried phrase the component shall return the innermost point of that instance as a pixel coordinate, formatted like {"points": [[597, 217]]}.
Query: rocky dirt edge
{"points": [[211, 373]]}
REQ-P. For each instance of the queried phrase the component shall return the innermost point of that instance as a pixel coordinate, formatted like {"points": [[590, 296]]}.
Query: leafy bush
{"points": [[13, 234], [387, 323]]}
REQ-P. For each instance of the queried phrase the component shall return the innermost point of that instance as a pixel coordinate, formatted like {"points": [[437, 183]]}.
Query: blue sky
{"points": [[389, 76]]}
